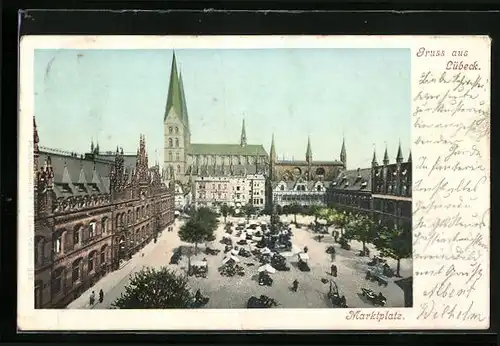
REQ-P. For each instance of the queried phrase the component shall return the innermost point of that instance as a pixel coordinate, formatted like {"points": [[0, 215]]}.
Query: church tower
{"points": [[176, 127]]}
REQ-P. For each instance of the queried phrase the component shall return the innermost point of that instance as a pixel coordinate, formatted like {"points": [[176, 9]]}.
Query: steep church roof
{"points": [[226, 149], [174, 99]]}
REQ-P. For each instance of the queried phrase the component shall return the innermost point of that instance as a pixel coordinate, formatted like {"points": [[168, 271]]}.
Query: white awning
{"points": [[303, 256], [265, 250], [267, 268]]}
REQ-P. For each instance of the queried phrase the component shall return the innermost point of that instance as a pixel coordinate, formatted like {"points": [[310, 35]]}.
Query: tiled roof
{"points": [[74, 176], [226, 149], [353, 180]]}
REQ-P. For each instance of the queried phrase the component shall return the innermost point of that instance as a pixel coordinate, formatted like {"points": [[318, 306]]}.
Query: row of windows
{"points": [[318, 188], [171, 130], [80, 235], [226, 160], [177, 156], [59, 276], [171, 143]]}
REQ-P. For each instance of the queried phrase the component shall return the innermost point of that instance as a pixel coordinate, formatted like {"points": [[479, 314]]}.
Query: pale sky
{"points": [[114, 95]]}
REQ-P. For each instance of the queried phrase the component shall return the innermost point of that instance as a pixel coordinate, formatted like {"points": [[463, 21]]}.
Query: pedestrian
{"points": [[295, 285], [101, 296], [305, 249], [334, 270], [92, 298]]}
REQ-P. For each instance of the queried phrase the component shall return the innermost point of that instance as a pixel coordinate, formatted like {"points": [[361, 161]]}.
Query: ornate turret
{"points": [[399, 156], [343, 154], [386, 157], [409, 157], [309, 151], [243, 139]]}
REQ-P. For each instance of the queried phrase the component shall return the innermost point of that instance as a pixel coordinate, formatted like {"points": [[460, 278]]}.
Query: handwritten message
{"points": [[451, 124]]}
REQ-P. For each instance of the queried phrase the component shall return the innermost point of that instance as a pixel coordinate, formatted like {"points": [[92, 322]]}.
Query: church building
{"points": [[302, 182], [185, 160]]}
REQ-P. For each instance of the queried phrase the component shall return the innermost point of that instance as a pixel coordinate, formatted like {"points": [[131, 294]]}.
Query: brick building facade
{"points": [[90, 213]]}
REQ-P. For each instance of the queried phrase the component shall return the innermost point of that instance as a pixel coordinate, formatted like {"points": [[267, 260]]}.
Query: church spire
{"points": [[386, 156], [185, 116], [409, 157], [399, 156], [174, 94], [272, 152], [374, 159], [308, 150], [91, 146], [243, 140], [343, 154]]}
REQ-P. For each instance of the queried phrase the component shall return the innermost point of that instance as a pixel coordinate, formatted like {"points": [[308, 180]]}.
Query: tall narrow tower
{"points": [[176, 126], [309, 158], [272, 161], [243, 139]]}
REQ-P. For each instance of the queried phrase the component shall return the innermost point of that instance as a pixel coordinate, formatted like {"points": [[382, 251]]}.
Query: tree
{"points": [[295, 209], [199, 228], [249, 210], [395, 242], [279, 210], [155, 289], [361, 229], [340, 219], [225, 210]]}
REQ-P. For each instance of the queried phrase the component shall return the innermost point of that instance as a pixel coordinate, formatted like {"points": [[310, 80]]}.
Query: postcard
{"points": [[254, 183]]}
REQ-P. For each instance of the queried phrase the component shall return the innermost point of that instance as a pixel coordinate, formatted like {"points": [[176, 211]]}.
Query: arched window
{"points": [[169, 156], [75, 270], [318, 188], [170, 130], [176, 130], [117, 223], [103, 225], [177, 157], [170, 143], [178, 168], [103, 254], [91, 261], [76, 234], [57, 241], [177, 142], [57, 280]]}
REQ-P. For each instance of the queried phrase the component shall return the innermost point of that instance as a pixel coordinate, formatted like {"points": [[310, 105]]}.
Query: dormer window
{"points": [[64, 188], [282, 187], [334, 183], [80, 187], [364, 184], [346, 183], [93, 187]]}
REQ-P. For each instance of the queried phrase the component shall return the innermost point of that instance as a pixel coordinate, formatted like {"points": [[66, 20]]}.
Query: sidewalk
{"points": [[115, 278]]}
